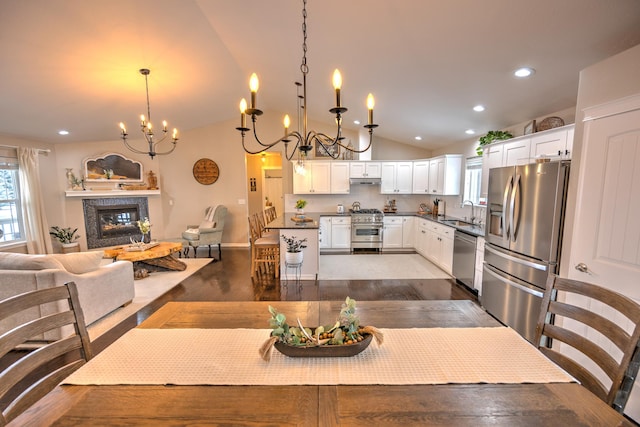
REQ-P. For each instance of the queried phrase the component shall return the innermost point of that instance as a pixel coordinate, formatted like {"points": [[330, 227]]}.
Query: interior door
{"points": [[605, 247]]}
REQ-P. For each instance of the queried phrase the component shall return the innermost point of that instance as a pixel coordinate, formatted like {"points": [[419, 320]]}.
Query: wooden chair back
{"points": [[270, 214], [610, 345], [30, 375]]}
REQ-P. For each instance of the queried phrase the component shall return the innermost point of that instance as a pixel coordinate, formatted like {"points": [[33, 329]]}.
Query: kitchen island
{"points": [[287, 226]]}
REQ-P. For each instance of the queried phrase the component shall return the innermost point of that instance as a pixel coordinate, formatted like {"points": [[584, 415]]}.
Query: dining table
{"points": [[323, 403]]}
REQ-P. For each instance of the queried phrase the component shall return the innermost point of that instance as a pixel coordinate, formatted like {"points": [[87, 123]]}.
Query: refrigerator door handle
{"points": [[511, 258], [513, 221], [502, 278], [505, 200]]}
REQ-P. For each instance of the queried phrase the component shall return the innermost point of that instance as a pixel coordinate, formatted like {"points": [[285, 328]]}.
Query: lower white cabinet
{"points": [[408, 232], [439, 245], [340, 232], [324, 232], [392, 233], [422, 236], [477, 278]]}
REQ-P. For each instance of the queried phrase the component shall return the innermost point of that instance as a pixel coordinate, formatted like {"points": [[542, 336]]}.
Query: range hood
{"points": [[365, 181]]}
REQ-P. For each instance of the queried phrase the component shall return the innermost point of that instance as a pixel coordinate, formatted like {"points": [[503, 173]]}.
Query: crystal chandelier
{"points": [[304, 140], [147, 129]]}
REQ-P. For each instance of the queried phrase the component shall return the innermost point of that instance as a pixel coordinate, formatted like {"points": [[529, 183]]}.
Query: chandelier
{"points": [[147, 129], [304, 140]]}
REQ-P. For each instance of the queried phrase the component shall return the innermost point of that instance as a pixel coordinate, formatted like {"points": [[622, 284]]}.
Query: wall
{"points": [[386, 149]]}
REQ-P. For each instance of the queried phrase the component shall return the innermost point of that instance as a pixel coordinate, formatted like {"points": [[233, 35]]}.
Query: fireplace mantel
{"points": [[111, 193]]}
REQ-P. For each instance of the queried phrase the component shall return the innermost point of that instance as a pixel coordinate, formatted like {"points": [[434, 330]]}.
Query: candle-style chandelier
{"points": [[304, 141], [147, 129]]}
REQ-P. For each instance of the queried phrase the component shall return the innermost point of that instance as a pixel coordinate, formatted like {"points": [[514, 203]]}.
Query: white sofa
{"points": [[102, 288]]}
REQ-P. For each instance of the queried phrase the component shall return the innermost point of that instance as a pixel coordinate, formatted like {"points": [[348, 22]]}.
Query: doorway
{"points": [[264, 181]]}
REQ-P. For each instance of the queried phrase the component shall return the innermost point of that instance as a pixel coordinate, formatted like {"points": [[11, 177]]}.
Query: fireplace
{"points": [[113, 221]]}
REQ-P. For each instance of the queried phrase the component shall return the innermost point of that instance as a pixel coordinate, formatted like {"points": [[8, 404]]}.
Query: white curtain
{"points": [[36, 228]]}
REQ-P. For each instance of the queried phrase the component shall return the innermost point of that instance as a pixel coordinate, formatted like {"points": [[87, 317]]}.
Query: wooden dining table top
{"points": [[312, 405]]}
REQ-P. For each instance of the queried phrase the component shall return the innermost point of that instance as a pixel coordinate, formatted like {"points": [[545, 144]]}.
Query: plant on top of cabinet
{"points": [[492, 136]]}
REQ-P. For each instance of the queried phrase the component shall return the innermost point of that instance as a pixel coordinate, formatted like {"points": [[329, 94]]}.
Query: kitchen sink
{"points": [[457, 223]]}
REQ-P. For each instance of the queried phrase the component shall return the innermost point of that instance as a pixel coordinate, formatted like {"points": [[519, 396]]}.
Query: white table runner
{"points": [[230, 357]]}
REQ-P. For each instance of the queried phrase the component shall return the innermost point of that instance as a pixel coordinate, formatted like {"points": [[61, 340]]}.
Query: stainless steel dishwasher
{"points": [[464, 258]]}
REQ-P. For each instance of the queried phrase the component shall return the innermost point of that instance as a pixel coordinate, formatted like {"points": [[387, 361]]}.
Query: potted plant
{"points": [[491, 136], [65, 236], [300, 204], [294, 252]]}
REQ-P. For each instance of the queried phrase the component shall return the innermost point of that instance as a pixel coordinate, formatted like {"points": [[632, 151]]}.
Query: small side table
{"points": [[297, 271]]}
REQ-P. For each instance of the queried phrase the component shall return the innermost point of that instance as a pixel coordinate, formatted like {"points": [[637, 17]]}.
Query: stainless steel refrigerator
{"points": [[525, 218]]}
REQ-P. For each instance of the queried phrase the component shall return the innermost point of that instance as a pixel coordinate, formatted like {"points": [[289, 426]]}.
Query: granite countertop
{"points": [[286, 222]]}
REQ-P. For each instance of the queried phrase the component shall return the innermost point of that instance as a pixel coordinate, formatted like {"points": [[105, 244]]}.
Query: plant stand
{"points": [[297, 272]]}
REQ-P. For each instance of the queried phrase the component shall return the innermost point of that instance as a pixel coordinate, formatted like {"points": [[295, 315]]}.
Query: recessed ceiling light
{"points": [[63, 132], [418, 138], [524, 72], [469, 131], [356, 122], [478, 108]]}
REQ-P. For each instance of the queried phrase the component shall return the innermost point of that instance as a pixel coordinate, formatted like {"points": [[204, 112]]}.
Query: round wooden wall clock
{"points": [[206, 171]]}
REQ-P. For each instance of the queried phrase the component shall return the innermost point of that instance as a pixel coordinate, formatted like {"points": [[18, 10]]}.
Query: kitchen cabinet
{"points": [[552, 144], [477, 279], [408, 232], [444, 175], [365, 170], [316, 180], [516, 152], [421, 177], [392, 234], [324, 232], [491, 158], [397, 178], [439, 245], [340, 178], [341, 232], [421, 239]]}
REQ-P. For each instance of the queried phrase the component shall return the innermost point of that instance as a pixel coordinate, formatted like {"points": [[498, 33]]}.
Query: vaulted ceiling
{"points": [[73, 64]]}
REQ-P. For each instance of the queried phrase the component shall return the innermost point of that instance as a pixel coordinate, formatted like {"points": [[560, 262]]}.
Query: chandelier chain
{"points": [[304, 67]]}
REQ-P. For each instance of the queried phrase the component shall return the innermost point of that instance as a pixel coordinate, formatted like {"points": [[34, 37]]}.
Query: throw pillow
{"points": [[80, 262], [207, 224], [11, 261]]}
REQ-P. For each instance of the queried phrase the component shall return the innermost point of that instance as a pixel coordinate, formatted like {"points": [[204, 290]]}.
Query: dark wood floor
{"points": [[230, 279]]}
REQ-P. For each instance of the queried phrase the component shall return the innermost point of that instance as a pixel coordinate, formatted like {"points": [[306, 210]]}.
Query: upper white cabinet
{"points": [[316, 180], [552, 144], [444, 175], [365, 170], [397, 178], [516, 152], [340, 178], [421, 177]]}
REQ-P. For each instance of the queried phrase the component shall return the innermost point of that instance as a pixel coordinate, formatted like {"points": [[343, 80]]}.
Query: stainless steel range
{"points": [[366, 229]]}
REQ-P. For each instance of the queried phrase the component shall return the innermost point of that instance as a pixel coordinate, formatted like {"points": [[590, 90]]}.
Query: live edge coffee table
{"points": [[156, 258]]}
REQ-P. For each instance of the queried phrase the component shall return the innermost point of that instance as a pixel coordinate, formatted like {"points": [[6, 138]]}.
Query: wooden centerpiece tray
{"points": [[344, 350], [297, 218]]}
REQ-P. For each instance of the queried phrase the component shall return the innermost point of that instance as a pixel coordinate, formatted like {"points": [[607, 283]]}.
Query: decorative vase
{"points": [[146, 238], [300, 213], [293, 257], [70, 247], [70, 178]]}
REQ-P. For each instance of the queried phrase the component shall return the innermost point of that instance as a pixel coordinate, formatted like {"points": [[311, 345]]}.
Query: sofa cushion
{"points": [[207, 224], [80, 262], [12, 261]]}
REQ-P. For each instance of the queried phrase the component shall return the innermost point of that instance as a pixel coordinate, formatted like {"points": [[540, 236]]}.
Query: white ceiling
{"points": [[73, 64]]}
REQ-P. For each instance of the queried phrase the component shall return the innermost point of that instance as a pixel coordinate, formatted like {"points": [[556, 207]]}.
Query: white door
{"points": [[272, 188], [607, 228]]}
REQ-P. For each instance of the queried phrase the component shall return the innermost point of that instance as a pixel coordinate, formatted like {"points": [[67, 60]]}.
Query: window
{"points": [[11, 225], [473, 179]]}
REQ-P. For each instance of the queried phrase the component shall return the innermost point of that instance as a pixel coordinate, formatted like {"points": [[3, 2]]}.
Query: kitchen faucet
{"points": [[473, 214]]}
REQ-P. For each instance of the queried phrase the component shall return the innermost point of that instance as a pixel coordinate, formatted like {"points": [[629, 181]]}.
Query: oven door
{"points": [[366, 235]]}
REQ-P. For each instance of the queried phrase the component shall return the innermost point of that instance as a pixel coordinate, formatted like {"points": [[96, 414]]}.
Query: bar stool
{"points": [[265, 250]]}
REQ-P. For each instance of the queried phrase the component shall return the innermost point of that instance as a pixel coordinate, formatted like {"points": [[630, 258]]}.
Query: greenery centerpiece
{"points": [[145, 228], [300, 204], [65, 236], [492, 136], [344, 338]]}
